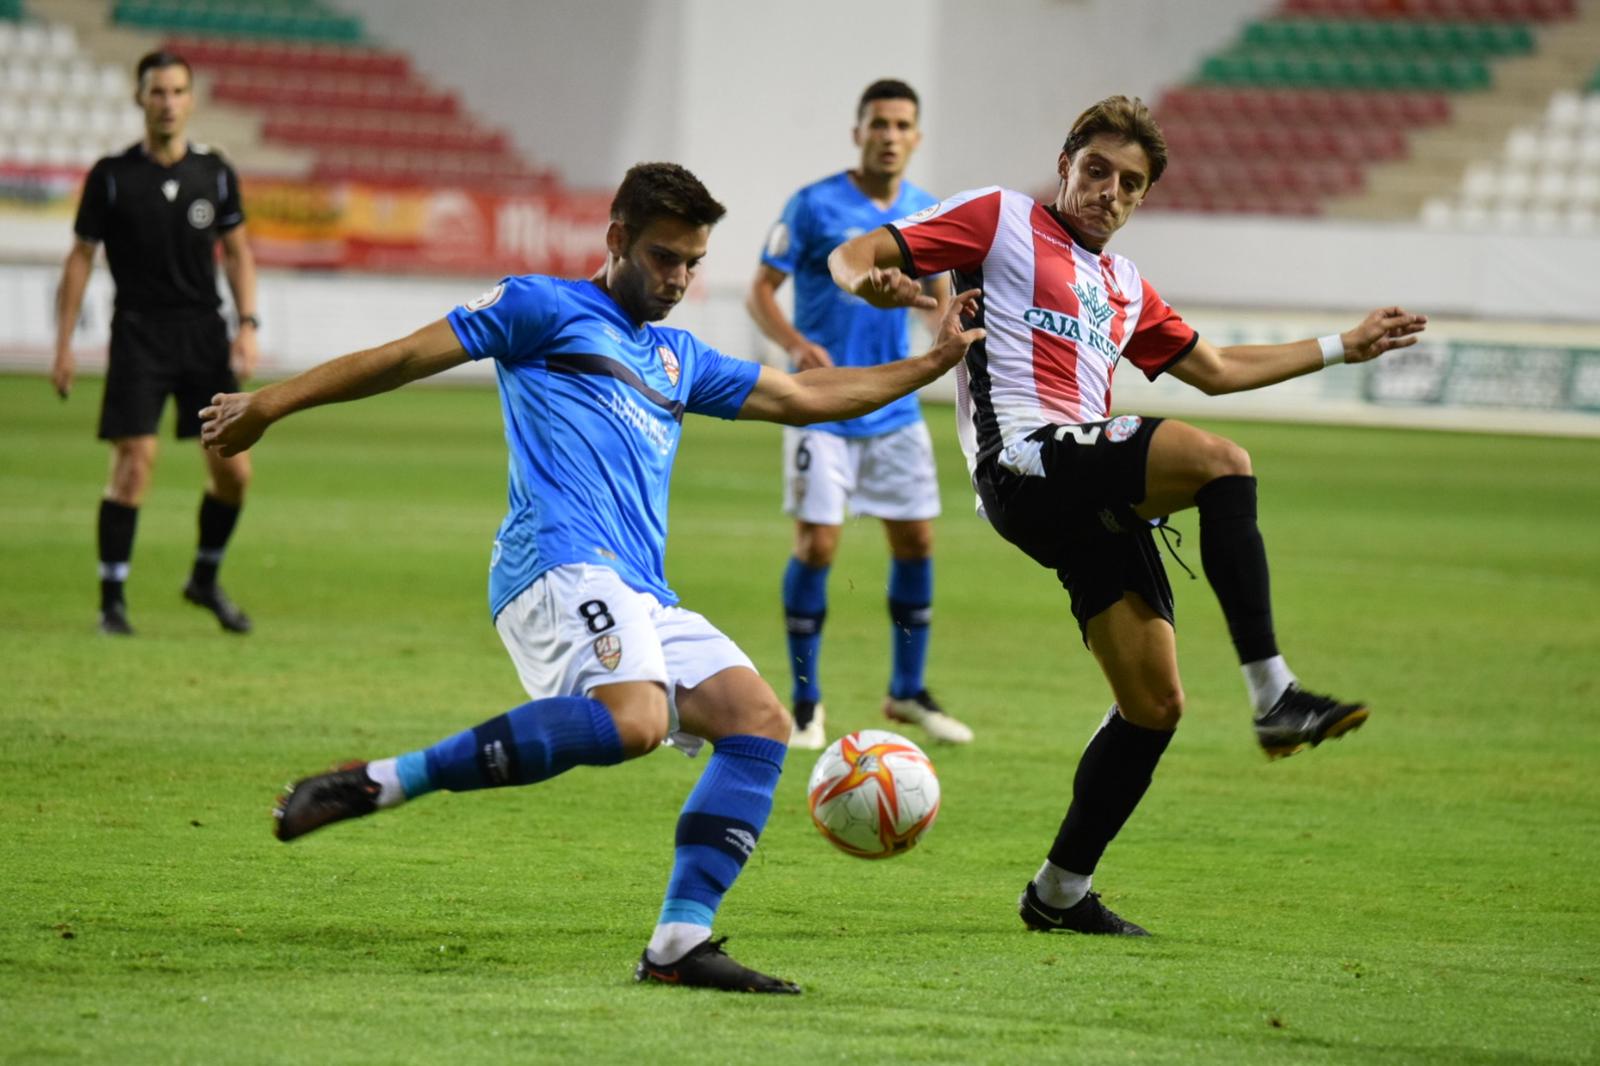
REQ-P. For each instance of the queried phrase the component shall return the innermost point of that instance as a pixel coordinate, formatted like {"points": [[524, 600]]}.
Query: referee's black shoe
{"points": [[1088, 915], [114, 620], [1302, 719], [213, 599], [706, 965]]}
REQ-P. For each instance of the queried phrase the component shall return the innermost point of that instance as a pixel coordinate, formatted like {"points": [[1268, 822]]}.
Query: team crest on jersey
{"points": [[669, 362], [488, 299], [1092, 302], [169, 189], [608, 649], [1122, 427], [201, 213]]}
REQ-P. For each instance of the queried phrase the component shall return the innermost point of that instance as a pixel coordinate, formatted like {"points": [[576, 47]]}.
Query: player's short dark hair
{"points": [[160, 60], [1126, 118], [887, 89], [654, 190]]}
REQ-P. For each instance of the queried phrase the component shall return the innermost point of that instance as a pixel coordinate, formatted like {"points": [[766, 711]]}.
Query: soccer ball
{"points": [[873, 794]]}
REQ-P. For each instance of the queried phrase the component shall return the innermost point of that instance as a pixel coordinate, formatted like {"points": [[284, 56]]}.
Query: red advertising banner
{"points": [[425, 230], [361, 226]]}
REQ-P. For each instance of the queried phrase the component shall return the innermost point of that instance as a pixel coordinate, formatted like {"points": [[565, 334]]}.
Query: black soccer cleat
{"points": [[114, 621], [1302, 719], [706, 965], [313, 802], [1088, 915], [213, 599]]}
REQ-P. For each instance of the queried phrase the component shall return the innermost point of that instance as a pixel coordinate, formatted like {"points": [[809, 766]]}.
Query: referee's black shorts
{"points": [[150, 359], [1074, 512]]}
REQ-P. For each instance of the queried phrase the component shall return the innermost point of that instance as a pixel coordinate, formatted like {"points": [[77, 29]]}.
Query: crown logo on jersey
{"points": [[1092, 302], [669, 363], [169, 189]]}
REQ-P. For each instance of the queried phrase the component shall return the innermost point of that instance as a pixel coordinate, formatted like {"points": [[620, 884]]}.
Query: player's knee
{"points": [[815, 545], [766, 718], [640, 716], [1160, 708], [913, 542], [1229, 460], [640, 734]]}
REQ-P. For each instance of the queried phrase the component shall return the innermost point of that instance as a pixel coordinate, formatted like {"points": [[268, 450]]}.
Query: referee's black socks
{"points": [[115, 538], [1234, 558], [217, 519]]}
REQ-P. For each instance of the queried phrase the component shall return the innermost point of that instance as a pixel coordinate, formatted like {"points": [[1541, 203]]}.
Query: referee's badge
{"points": [[169, 189], [669, 362], [608, 649], [201, 214]]}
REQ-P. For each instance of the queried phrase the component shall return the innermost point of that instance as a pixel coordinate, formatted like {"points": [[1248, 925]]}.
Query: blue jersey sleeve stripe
{"points": [[600, 365]]}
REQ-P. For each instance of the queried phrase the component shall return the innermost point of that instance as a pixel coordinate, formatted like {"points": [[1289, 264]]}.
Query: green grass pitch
{"points": [[1422, 891]]}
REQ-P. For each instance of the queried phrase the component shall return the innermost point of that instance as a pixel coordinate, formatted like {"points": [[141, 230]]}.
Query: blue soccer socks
{"points": [[910, 612], [805, 607], [718, 829], [530, 743]]}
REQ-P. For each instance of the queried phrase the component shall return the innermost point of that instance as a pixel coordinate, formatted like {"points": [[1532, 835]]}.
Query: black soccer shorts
{"points": [[1077, 518], [152, 359]]}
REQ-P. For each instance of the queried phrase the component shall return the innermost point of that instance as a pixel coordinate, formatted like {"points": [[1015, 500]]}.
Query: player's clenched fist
{"points": [[892, 287]]}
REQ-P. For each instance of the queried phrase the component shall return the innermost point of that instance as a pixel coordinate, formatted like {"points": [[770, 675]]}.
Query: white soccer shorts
{"points": [[579, 627], [892, 476]]}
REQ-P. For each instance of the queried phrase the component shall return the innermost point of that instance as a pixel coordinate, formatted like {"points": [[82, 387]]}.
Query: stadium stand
{"points": [[1362, 108], [290, 88], [1546, 178]]}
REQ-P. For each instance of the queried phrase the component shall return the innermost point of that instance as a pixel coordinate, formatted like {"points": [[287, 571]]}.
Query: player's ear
{"points": [[1063, 165], [617, 238]]}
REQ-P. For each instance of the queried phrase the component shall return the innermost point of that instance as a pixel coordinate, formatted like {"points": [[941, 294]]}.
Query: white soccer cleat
{"points": [[922, 710], [813, 735]]}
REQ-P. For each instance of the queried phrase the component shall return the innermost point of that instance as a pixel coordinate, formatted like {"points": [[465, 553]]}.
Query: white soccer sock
{"points": [[383, 771], [1267, 679], [673, 940], [1060, 887]]}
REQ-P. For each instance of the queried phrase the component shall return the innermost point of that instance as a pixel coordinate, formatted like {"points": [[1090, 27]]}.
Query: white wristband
{"points": [[1332, 349]]}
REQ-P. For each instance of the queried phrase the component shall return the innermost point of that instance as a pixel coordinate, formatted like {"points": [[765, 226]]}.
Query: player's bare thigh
{"points": [[733, 702], [1138, 652], [1183, 460]]}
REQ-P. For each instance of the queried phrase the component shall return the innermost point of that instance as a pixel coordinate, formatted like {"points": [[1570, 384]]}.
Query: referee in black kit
{"points": [[160, 208]]}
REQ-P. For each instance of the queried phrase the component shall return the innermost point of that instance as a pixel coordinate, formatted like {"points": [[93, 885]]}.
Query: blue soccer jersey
{"points": [[818, 219], [593, 407]]}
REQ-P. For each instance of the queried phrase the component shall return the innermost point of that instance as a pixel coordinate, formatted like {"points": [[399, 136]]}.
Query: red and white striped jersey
{"points": [[1058, 316]]}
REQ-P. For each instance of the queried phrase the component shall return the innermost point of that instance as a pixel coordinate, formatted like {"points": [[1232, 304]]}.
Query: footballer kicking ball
{"points": [[873, 794]]}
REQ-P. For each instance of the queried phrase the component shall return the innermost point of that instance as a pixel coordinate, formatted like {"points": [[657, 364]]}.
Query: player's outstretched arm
{"points": [[872, 267], [827, 394], [1241, 367], [236, 420]]}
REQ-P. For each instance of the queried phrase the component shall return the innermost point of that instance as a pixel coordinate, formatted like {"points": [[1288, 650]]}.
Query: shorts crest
{"points": [[608, 649], [1122, 427]]}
